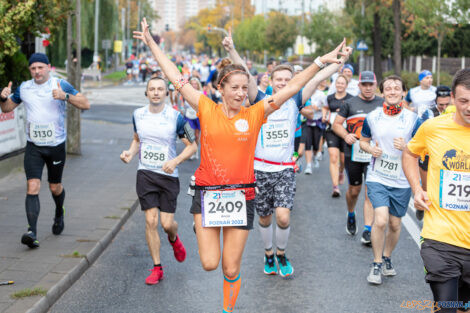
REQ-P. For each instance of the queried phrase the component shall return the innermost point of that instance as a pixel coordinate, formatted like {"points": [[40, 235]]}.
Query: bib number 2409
{"points": [[224, 208]]}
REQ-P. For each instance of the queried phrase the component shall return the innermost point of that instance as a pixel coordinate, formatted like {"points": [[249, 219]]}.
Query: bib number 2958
{"points": [[224, 208]]}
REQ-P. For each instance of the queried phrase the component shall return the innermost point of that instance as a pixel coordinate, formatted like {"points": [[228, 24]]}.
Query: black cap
{"points": [[442, 91], [38, 57], [367, 77]]}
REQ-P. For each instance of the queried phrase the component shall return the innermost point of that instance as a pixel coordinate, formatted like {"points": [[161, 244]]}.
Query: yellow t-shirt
{"points": [[448, 146]]}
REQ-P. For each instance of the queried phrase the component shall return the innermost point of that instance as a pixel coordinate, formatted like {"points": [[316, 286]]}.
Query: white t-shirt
{"points": [[383, 128], [276, 137], [44, 114], [157, 133], [319, 100], [422, 99], [352, 89]]}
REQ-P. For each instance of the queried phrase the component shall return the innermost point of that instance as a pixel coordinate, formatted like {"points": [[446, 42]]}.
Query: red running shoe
{"points": [[155, 276], [178, 249]]}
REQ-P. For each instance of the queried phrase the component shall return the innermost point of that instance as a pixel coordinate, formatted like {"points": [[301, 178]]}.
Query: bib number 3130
{"points": [[454, 190], [224, 208], [42, 134]]}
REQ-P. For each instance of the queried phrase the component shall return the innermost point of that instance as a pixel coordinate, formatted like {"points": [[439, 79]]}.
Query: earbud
{"points": [[145, 93]]}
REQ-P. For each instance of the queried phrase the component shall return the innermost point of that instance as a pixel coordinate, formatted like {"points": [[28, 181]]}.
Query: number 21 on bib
{"points": [[454, 190], [223, 208]]}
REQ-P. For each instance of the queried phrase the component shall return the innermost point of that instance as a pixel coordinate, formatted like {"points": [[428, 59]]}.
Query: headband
{"points": [[225, 76]]}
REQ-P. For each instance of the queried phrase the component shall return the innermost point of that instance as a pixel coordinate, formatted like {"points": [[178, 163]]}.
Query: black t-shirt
{"points": [[355, 111], [335, 104], [129, 65]]}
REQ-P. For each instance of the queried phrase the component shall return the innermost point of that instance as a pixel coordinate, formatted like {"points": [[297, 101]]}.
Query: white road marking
{"points": [[410, 225]]}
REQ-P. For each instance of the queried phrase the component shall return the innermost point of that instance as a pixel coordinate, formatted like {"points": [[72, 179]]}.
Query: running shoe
{"points": [[58, 225], [285, 268], [30, 240], [388, 269], [178, 249], [316, 164], [365, 239], [341, 178], [351, 227], [270, 267], [419, 215], [319, 156], [375, 276], [336, 193], [155, 276], [308, 169]]}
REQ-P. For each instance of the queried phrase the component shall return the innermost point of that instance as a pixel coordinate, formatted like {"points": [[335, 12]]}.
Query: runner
{"points": [[422, 97], [353, 84], [389, 128], [155, 129], [445, 247], [191, 116], [356, 161], [45, 100], [225, 181], [442, 102], [263, 81], [334, 142]]}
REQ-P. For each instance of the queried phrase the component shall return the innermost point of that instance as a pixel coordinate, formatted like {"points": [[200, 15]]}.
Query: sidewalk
{"points": [[100, 196]]}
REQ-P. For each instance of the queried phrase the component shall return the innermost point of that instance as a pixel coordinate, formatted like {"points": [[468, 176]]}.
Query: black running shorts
{"points": [[53, 157], [334, 141], [356, 171], [157, 191]]}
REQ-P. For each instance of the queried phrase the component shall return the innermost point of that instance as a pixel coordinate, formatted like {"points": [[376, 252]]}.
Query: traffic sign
{"points": [[362, 46]]}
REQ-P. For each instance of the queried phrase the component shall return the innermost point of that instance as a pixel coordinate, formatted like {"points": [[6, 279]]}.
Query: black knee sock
{"points": [[59, 203], [32, 211]]}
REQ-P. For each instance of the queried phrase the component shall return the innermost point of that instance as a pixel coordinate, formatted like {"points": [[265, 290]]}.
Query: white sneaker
{"points": [[319, 156], [308, 169], [375, 274], [316, 164]]}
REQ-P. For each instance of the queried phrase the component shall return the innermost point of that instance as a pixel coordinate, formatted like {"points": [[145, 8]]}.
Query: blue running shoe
{"points": [[285, 268], [270, 267]]}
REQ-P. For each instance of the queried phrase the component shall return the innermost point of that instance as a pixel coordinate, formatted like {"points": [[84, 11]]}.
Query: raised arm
{"points": [[299, 80], [6, 104], [235, 57], [325, 73], [171, 71]]}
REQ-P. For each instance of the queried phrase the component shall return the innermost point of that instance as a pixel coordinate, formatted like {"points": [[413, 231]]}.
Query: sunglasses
{"points": [[443, 93]]}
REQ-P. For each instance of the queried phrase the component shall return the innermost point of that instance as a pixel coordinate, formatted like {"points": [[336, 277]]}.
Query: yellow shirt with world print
{"points": [[448, 146]]}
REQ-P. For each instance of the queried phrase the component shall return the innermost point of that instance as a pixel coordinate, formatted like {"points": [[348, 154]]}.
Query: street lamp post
{"points": [[97, 13]]}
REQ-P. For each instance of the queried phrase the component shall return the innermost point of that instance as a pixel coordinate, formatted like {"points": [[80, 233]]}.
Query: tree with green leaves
{"points": [[438, 19], [250, 35], [281, 32]]}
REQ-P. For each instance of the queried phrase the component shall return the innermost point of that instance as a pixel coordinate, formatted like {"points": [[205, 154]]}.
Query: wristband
{"points": [[272, 104], [319, 63], [3, 99], [67, 97], [179, 83]]}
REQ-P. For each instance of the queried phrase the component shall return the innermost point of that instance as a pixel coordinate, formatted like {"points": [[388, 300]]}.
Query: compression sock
{"points": [[351, 214], [267, 236], [282, 236], [32, 211], [231, 289], [367, 227], [59, 203]]}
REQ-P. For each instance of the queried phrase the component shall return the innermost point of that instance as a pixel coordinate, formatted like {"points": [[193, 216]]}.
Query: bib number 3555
{"points": [[454, 190], [224, 208]]}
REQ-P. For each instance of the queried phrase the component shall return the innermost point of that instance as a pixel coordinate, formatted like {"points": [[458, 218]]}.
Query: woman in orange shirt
{"points": [[225, 178]]}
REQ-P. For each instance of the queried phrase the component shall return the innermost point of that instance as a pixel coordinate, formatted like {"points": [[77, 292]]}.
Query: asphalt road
{"points": [[330, 266]]}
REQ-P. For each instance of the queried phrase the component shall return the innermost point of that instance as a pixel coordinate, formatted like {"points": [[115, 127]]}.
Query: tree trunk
{"points": [[377, 35], [440, 38], [397, 39], [74, 77]]}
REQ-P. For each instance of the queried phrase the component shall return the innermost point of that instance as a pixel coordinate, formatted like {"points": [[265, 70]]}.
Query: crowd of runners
{"points": [[250, 130]]}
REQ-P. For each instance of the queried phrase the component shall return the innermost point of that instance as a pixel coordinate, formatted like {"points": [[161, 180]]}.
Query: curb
{"points": [[53, 294]]}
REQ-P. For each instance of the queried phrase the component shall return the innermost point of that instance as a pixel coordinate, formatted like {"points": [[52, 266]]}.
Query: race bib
{"points": [[42, 134], [224, 208], [153, 156], [190, 113], [454, 190], [275, 135], [332, 117], [359, 155], [388, 166]]}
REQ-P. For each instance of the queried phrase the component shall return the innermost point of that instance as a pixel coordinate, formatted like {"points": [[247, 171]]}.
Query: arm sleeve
{"points": [[408, 97], [15, 97], [260, 96], [180, 121], [67, 87], [365, 132], [133, 124], [298, 100], [344, 109], [417, 144]]}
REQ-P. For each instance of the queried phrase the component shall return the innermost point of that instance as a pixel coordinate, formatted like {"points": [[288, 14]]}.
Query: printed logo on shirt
{"points": [[456, 160], [242, 125]]}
